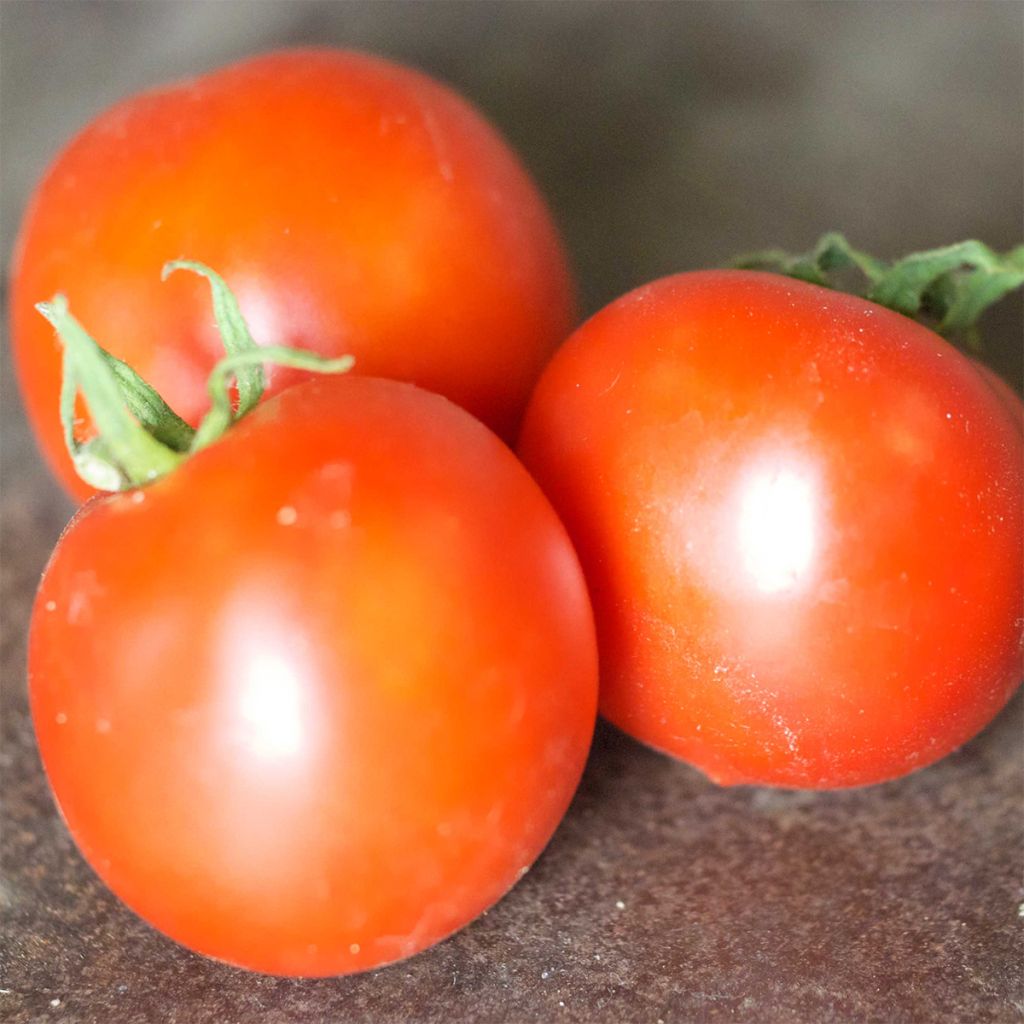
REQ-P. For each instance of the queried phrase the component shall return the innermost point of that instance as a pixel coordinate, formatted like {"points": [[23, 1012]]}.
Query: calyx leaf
{"points": [[949, 287], [139, 437]]}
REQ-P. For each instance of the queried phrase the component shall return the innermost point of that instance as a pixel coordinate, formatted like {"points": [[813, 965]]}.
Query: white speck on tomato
{"points": [[286, 515]]}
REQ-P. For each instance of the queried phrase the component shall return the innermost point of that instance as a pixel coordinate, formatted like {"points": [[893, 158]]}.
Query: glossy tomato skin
{"points": [[1010, 399], [318, 698], [353, 205], [799, 515]]}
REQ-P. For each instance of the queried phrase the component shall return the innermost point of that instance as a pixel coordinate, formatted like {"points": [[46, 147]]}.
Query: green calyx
{"points": [[947, 288], [138, 436]]}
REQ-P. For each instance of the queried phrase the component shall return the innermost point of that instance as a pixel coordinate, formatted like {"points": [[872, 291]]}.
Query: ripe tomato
{"points": [[318, 697], [354, 206], [1010, 399], [799, 515]]}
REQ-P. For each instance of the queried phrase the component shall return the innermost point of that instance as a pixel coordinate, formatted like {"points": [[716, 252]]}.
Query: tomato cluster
{"points": [[315, 680]]}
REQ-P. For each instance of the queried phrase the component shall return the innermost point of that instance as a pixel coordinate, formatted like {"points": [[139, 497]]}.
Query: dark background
{"points": [[667, 136]]}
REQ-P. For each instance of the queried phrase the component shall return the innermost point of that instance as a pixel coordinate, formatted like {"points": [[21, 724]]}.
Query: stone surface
{"points": [[668, 136]]}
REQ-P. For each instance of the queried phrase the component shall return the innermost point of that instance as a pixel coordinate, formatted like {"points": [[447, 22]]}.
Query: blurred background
{"points": [[666, 136]]}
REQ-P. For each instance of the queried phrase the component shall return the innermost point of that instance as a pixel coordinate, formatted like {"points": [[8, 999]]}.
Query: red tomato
{"points": [[1010, 399], [320, 696], [799, 515], [354, 206]]}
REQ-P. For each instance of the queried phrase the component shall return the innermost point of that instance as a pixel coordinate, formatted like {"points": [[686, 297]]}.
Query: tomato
{"points": [[799, 515], [354, 206], [319, 696], [1010, 399]]}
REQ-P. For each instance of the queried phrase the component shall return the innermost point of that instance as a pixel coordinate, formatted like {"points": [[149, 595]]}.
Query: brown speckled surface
{"points": [[668, 136]]}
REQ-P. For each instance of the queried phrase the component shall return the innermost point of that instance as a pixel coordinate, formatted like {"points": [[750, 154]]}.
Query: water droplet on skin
{"points": [[138, 497], [354, 948], [50, 606], [286, 515], [61, 718]]}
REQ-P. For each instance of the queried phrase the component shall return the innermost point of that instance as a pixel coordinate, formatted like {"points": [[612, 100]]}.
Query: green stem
{"points": [[948, 287], [221, 415], [139, 437], [124, 452], [234, 331], [148, 407]]}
